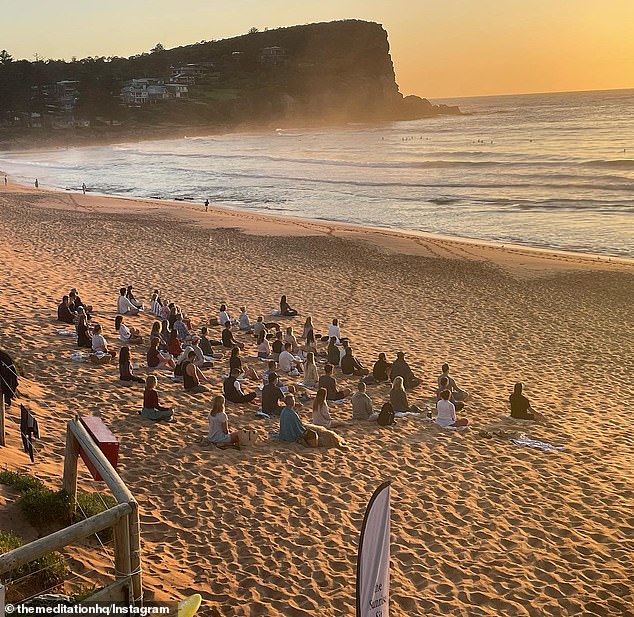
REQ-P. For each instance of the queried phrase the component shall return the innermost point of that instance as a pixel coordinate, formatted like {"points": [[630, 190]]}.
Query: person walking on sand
{"points": [[6, 181], [83, 187], [37, 184], [206, 205]]}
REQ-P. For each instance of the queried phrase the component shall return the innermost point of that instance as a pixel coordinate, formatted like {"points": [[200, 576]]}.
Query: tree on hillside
{"points": [[253, 30], [5, 57], [157, 49]]}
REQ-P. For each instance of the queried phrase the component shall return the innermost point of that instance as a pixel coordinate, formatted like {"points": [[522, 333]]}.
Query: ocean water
{"points": [[544, 170]]}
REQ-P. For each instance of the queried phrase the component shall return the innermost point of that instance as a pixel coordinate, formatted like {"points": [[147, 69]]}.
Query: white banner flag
{"points": [[373, 562]]}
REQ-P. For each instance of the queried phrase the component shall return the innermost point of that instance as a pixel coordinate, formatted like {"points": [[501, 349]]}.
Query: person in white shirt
{"points": [[321, 411], [289, 363], [219, 424], [311, 374], [100, 352], [264, 347], [127, 335], [224, 317], [243, 320], [446, 412], [124, 306], [334, 330]]}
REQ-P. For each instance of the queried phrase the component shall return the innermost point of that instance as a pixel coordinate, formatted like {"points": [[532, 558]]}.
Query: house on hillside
{"points": [[273, 56], [137, 92], [66, 96], [189, 74]]}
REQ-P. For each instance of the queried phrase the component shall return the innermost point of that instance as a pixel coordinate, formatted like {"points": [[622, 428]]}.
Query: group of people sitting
{"points": [[175, 347]]}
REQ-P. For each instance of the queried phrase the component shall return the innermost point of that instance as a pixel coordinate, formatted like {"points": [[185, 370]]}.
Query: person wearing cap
{"points": [[400, 368], [272, 396]]}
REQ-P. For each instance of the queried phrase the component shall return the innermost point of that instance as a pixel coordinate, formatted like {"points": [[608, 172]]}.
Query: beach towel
{"points": [[67, 332], [78, 356], [523, 440]]}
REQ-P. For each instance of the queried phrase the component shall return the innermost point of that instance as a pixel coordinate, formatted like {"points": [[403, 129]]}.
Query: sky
{"points": [[440, 48]]}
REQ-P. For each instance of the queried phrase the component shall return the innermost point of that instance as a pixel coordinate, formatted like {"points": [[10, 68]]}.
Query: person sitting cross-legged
{"points": [[330, 383], [219, 424], [446, 412], [124, 306], [192, 375], [351, 366], [233, 390], [227, 337], [152, 409], [289, 363], [362, 408], [272, 396]]}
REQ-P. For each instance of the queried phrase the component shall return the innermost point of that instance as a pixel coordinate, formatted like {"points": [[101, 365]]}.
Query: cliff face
{"points": [[317, 73]]}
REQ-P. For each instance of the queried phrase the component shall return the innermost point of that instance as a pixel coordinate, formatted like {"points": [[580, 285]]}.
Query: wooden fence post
{"points": [[122, 548], [2, 441], [135, 555], [71, 456]]}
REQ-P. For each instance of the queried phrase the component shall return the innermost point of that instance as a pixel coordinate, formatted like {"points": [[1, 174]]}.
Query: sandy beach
{"points": [[480, 525]]}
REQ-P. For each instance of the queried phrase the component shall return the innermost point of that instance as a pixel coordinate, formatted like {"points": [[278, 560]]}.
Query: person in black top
{"points": [[227, 338], [64, 312], [285, 308], [233, 390], [272, 396], [236, 362], [330, 383], [381, 368], [125, 367], [277, 347], [351, 366], [192, 375], [207, 344], [400, 368], [77, 301], [520, 406], [84, 337], [333, 355]]}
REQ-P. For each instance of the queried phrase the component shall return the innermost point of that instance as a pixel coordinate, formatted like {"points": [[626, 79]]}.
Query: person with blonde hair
{"points": [[152, 409], [321, 411], [398, 397], [219, 424], [311, 374]]}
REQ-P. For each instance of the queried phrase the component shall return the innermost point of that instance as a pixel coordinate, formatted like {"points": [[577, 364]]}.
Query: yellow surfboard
{"points": [[189, 606]]}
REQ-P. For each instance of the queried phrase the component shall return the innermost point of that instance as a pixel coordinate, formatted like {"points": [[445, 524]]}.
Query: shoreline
{"points": [[520, 259], [481, 525]]}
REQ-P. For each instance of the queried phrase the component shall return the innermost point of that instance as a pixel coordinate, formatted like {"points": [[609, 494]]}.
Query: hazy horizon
{"points": [[451, 51]]}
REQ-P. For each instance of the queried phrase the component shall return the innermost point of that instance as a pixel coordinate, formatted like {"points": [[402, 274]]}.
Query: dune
{"points": [[480, 526]]}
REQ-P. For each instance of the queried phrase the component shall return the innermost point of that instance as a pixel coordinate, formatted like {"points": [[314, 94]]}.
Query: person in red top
{"points": [[152, 409], [174, 345], [158, 359]]}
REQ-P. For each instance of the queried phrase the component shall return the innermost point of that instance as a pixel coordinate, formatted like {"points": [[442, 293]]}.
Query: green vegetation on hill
{"points": [[317, 73]]}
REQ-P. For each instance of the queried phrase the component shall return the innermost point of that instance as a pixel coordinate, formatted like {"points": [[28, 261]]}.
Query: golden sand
{"points": [[480, 526]]}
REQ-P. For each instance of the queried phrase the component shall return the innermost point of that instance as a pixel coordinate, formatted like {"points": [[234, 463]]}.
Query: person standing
{"points": [[37, 184], [206, 205], [83, 187]]}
